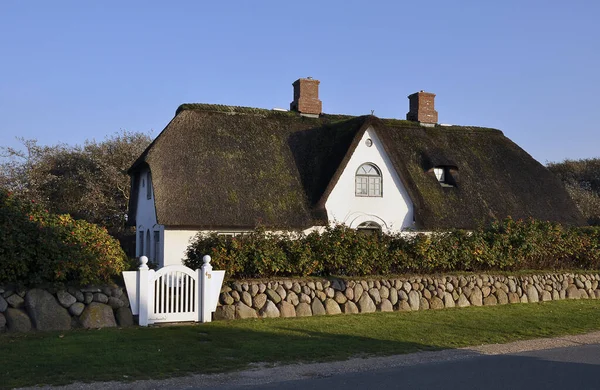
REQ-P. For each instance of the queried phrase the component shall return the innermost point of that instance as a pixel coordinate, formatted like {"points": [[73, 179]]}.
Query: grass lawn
{"points": [[158, 352]]}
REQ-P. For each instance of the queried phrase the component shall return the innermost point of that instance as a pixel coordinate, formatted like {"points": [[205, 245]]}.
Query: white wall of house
{"points": [[178, 240], [393, 211], [152, 243], [177, 243]]}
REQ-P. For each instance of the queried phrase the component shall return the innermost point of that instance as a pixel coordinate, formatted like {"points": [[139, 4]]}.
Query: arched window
{"points": [[368, 181], [369, 227], [140, 241], [148, 245]]}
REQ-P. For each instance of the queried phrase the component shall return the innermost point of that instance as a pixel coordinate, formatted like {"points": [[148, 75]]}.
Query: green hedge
{"points": [[505, 245], [37, 247]]}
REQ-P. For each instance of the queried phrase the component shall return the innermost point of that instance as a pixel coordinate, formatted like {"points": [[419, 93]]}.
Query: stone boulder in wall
{"points": [[17, 320], [98, 315], [45, 311]]}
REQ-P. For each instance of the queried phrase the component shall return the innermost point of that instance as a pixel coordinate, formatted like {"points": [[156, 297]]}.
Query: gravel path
{"points": [[260, 375]]}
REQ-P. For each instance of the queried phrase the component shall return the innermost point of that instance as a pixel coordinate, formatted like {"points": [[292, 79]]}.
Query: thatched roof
{"points": [[221, 167]]}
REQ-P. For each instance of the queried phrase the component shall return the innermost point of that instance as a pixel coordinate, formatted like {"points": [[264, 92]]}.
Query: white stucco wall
{"points": [[178, 240], [393, 211], [177, 243]]}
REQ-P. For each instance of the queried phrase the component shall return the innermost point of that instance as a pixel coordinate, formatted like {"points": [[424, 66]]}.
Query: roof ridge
{"points": [[230, 109], [390, 122], [225, 108]]}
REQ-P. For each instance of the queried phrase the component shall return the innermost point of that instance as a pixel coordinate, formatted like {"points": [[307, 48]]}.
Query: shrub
{"points": [[339, 250], [38, 247]]}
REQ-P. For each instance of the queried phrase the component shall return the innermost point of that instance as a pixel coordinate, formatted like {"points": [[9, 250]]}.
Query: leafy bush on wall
{"points": [[339, 250], [39, 247]]}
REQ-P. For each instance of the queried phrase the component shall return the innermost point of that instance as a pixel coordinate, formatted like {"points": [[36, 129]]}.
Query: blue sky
{"points": [[77, 70]]}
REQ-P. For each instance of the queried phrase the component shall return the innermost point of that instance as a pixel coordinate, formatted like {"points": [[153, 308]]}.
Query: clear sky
{"points": [[77, 70]]}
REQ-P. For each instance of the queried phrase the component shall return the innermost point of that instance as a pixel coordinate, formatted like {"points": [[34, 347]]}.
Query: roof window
{"points": [[445, 175]]}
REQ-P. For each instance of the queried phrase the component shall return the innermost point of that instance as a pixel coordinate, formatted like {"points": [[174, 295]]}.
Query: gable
{"points": [[388, 205]]}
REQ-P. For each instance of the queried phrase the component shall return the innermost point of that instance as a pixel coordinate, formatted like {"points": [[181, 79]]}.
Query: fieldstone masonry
{"points": [[299, 298], [46, 309], [108, 306]]}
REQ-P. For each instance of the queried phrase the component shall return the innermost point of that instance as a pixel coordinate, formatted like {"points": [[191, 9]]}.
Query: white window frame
{"points": [[443, 176], [231, 234], [440, 174], [368, 181]]}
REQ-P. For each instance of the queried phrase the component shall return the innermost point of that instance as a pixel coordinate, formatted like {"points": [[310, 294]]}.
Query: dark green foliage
{"points": [[38, 247], [88, 182], [508, 245], [582, 180]]}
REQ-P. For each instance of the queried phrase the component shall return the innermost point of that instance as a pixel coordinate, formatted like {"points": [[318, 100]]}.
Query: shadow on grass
{"points": [[129, 354]]}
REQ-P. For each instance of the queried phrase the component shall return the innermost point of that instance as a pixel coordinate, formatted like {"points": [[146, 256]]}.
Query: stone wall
{"points": [[50, 309], [298, 298], [98, 307]]}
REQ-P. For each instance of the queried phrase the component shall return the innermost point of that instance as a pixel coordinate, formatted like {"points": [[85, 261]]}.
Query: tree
{"points": [[89, 182], [582, 181]]}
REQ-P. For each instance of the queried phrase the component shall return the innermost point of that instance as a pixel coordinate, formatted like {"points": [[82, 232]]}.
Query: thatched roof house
{"points": [[230, 168]]}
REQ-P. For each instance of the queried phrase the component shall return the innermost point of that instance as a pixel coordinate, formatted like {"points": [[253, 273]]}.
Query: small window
{"points": [[444, 176], [156, 245], [141, 242], [147, 251], [439, 174], [369, 227], [149, 187], [368, 181], [231, 234]]}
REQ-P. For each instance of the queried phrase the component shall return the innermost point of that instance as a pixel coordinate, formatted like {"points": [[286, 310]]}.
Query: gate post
{"points": [[206, 275], [143, 290], [199, 287]]}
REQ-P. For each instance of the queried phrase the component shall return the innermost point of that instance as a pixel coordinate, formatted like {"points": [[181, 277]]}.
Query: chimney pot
{"points": [[421, 108], [306, 97]]}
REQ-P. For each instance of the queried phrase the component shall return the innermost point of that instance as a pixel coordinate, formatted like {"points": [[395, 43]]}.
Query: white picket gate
{"points": [[174, 293], [173, 296]]}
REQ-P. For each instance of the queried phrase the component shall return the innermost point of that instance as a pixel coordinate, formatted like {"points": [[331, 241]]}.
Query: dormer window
{"points": [[445, 175], [368, 181]]}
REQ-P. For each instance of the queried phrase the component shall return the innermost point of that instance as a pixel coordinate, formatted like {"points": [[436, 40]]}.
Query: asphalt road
{"points": [[575, 367]]}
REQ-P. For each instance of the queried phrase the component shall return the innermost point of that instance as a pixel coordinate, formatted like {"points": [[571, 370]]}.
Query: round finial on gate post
{"points": [[143, 262], [206, 259]]}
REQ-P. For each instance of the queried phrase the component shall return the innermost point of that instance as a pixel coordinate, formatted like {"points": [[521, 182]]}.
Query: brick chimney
{"points": [[306, 97], [422, 108]]}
